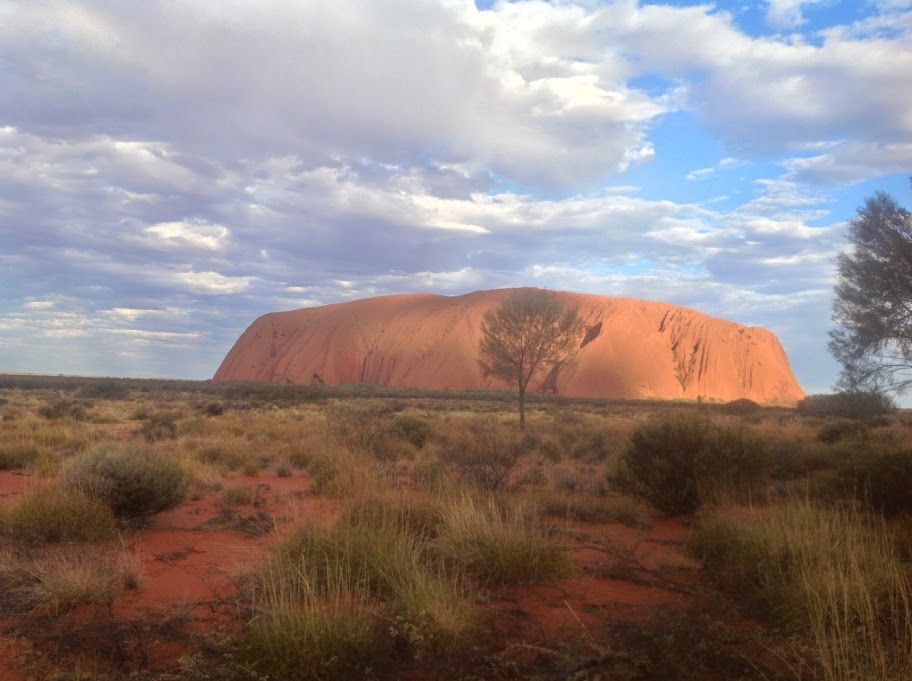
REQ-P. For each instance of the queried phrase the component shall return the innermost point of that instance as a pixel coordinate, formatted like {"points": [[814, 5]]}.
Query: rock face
{"points": [[632, 349]]}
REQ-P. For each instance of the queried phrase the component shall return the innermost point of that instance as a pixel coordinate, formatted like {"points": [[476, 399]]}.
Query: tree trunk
{"points": [[522, 409]]}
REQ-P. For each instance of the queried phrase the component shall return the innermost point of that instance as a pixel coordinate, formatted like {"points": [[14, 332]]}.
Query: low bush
{"points": [[106, 389], [880, 477], [159, 426], [132, 482], [841, 429], [213, 409], [857, 404], [740, 407], [360, 428], [413, 429], [14, 455], [678, 462], [63, 408], [485, 451], [49, 514]]}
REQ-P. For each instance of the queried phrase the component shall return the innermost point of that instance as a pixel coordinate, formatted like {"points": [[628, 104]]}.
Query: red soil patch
{"points": [[191, 558], [12, 483]]}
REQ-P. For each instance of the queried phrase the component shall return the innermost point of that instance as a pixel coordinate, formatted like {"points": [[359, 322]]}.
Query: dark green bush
{"points": [[485, 452], [841, 429], [361, 428], [740, 407], [159, 426], [14, 455], [213, 409], [880, 477], [412, 429], [62, 408], [106, 388], [678, 462], [857, 404], [133, 482]]}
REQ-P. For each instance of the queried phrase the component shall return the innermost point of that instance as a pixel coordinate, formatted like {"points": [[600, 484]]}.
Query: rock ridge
{"points": [[632, 349]]}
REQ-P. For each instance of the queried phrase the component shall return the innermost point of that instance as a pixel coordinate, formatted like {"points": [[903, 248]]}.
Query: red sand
{"points": [[191, 557]]}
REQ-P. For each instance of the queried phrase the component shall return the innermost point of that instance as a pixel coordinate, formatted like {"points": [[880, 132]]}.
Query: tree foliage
{"points": [[529, 333], [873, 304]]}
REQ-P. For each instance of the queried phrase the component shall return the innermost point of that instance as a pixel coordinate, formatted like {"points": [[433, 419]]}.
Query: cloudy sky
{"points": [[171, 170]]}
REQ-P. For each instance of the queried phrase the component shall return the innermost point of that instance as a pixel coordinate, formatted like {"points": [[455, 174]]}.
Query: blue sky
{"points": [[169, 171]]}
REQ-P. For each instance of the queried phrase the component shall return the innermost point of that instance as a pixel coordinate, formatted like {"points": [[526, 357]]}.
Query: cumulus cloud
{"points": [[787, 14], [170, 171]]}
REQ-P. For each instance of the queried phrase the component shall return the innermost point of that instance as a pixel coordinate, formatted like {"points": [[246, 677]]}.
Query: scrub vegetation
{"points": [[366, 532]]}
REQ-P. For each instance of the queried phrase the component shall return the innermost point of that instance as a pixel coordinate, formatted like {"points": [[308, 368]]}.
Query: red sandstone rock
{"points": [[634, 349]]}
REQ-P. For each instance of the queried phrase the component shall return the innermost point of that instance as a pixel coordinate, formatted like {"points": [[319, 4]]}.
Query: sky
{"points": [[172, 170]]}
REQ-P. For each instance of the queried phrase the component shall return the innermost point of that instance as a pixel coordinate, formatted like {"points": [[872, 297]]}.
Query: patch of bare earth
{"points": [[189, 560]]}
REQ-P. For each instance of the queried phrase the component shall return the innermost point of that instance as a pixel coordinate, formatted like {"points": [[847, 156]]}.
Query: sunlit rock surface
{"points": [[632, 349]]}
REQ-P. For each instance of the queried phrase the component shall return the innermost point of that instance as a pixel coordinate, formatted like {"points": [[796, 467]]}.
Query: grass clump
{"points": [[680, 462], [827, 573], [49, 514], [64, 580], [335, 596], [503, 544], [132, 482], [592, 508], [324, 628], [237, 496], [15, 455]]}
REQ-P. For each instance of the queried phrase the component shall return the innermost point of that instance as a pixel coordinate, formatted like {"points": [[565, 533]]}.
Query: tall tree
{"points": [[873, 305], [529, 333]]}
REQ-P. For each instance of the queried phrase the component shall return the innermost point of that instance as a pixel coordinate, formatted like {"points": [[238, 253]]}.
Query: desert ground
{"points": [[180, 531]]}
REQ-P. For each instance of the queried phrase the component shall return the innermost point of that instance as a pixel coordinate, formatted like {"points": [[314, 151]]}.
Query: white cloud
{"points": [[851, 162], [192, 234], [213, 282], [786, 14], [704, 173], [39, 305]]}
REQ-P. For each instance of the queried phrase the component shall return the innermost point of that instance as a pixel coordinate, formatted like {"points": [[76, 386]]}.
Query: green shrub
{"points": [[62, 408], [159, 426], [106, 389], [840, 429], [132, 482], [857, 404], [880, 478], [358, 427], [213, 409], [413, 429], [485, 452], [678, 462], [14, 455], [49, 514], [740, 407]]}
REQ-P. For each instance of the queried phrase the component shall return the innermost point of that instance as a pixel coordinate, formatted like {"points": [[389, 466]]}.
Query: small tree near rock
{"points": [[528, 334]]}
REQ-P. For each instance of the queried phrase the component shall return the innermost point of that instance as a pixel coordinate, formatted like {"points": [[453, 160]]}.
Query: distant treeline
{"points": [[261, 392]]}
